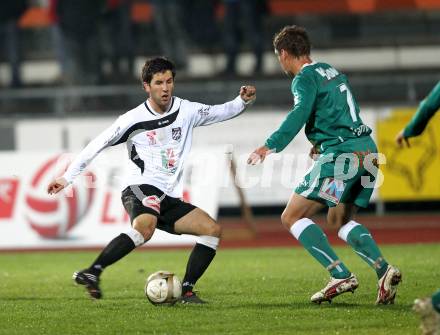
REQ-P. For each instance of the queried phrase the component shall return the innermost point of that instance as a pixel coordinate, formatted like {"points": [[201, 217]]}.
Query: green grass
{"points": [[253, 291]]}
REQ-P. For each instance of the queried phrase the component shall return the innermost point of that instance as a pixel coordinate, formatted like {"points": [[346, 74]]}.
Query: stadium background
{"points": [[389, 49]]}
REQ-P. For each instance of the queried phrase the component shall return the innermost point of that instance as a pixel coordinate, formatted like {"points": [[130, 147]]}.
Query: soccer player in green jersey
{"points": [[425, 112], [428, 308], [345, 159]]}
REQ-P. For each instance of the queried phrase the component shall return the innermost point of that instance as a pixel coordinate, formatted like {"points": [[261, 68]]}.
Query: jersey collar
{"points": [[307, 64], [151, 110]]}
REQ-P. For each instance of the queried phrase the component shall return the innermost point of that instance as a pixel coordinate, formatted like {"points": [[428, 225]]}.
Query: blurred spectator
{"points": [[170, 31], [10, 12], [204, 31], [118, 39], [57, 40], [243, 22], [78, 22]]}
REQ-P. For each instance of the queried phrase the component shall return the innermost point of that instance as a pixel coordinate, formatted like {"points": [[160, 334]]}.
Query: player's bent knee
{"points": [[214, 230], [146, 228], [288, 219], [146, 232]]}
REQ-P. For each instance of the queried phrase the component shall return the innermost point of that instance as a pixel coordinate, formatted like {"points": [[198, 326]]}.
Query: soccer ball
{"points": [[163, 287]]}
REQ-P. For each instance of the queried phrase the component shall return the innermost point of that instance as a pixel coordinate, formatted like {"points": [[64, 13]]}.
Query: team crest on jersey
{"points": [[176, 133], [151, 136], [153, 202], [332, 190]]}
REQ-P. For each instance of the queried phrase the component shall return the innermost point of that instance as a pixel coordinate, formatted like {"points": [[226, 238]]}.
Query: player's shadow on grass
{"points": [[361, 306], [260, 305], [63, 298], [311, 306]]}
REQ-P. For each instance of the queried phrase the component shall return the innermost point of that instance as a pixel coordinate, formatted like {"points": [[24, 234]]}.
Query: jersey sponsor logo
{"points": [[161, 123], [151, 136], [8, 195], [169, 159], [176, 133], [332, 190], [153, 202]]}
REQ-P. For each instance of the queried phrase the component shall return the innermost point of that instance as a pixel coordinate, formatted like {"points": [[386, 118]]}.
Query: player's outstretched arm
{"points": [[401, 139], [209, 114], [248, 93], [259, 155], [427, 108], [57, 185], [110, 136]]}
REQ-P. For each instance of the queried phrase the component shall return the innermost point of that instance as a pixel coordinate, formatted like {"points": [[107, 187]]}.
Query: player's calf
{"points": [[201, 256]]}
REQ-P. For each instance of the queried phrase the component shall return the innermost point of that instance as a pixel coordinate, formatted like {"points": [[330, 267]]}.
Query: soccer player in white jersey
{"points": [[158, 136]]}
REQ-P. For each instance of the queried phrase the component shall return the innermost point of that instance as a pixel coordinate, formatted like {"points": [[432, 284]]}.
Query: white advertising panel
{"points": [[269, 184], [89, 213], [211, 185]]}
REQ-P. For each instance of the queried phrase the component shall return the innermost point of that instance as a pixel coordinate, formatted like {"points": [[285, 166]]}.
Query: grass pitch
{"points": [[250, 291]]}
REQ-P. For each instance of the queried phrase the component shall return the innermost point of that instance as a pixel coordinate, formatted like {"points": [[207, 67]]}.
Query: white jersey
{"points": [[157, 144]]}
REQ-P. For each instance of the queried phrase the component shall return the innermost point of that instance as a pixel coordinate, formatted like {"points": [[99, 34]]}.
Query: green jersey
{"points": [[426, 110], [323, 103]]}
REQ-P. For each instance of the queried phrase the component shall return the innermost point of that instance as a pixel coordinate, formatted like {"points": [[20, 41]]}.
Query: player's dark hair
{"points": [[156, 65], [294, 40]]}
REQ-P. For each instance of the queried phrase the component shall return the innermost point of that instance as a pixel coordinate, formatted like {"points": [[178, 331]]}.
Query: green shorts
{"points": [[345, 173]]}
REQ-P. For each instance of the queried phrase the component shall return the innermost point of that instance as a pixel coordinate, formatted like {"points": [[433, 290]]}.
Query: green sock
{"points": [[360, 239], [436, 301], [316, 243]]}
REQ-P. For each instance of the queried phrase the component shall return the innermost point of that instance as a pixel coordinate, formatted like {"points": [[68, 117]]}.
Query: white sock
{"points": [[346, 229], [135, 236], [299, 226], [210, 241]]}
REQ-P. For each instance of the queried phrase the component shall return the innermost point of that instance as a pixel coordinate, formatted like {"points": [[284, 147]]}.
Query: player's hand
{"points": [[259, 155], [313, 154], [248, 93], [57, 185], [401, 140]]}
